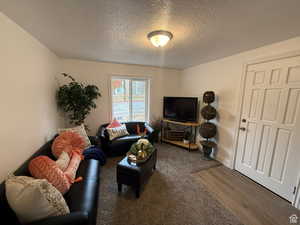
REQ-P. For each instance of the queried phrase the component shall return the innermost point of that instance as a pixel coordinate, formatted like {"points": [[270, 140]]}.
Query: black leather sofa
{"points": [[120, 146], [82, 198]]}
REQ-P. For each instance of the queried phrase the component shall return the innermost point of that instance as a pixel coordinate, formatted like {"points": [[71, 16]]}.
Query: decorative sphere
{"points": [[208, 112], [208, 130], [208, 97]]}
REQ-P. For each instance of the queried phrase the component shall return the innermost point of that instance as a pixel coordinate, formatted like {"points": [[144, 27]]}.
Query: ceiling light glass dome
{"points": [[160, 38]]}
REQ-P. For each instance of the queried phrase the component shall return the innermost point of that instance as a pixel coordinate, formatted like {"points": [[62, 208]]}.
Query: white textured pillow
{"points": [[63, 161], [117, 132], [33, 199], [79, 130]]}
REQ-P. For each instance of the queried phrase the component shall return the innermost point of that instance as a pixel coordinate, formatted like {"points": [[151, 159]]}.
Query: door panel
{"points": [[254, 102], [271, 103], [261, 158], [294, 75], [279, 154], [292, 109], [247, 156], [275, 76], [267, 147]]}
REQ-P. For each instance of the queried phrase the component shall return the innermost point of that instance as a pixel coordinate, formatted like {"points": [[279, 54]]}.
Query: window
{"points": [[129, 99]]}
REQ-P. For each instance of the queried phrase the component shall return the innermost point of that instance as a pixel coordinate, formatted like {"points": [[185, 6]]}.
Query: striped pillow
{"points": [[117, 132], [42, 167]]}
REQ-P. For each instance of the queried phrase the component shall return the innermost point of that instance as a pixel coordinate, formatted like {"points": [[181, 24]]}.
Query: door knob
{"points": [[242, 128], [243, 120]]}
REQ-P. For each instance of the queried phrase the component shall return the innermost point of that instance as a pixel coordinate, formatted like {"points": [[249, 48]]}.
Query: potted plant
{"points": [[76, 100], [187, 137]]}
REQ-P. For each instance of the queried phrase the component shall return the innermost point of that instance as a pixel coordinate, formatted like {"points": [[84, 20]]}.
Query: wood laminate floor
{"points": [[249, 201]]}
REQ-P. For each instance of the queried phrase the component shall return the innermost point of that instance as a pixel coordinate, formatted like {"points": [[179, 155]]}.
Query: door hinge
{"points": [[294, 191]]}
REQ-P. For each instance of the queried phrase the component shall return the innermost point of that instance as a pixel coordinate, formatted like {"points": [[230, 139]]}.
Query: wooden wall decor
{"points": [[207, 129]]}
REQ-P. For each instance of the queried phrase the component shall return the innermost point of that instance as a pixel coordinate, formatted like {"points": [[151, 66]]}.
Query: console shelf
{"points": [[190, 146], [190, 124]]}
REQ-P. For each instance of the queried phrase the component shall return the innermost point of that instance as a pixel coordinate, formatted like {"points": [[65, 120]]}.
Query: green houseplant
{"points": [[76, 99]]}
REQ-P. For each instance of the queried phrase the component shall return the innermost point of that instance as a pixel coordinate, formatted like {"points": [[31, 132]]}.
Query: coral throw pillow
{"points": [[42, 167], [113, 124], [67, 141]]}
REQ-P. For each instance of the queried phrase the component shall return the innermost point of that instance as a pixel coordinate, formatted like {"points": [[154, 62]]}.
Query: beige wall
{"points": [[28, 109], [164, 82], [27, 90], [224, 77]]}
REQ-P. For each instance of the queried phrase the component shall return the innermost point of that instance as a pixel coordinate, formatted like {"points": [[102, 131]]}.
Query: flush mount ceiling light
{"points": [[160, 38]]}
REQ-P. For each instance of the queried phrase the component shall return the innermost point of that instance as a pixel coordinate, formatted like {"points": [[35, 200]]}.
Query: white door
{"points": [[269, 135]]}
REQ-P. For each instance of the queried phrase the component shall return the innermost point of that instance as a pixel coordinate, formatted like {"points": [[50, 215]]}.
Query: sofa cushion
{"points": [[79, 130], [43, 199]]}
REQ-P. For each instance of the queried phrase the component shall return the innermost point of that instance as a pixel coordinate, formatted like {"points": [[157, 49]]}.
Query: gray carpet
{"points": [[171, 196]]}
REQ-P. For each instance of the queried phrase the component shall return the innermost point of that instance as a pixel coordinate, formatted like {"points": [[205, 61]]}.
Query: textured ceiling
{"points": [[116, 30]]}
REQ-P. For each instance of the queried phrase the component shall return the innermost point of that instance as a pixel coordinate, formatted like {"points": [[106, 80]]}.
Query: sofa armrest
{"points": [[149, 129], [74, 218], [150, 133], [101, 133], [95, 141]]}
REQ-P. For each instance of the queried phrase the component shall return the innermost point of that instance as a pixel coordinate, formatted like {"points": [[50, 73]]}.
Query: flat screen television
{"points": [[183, 109]]}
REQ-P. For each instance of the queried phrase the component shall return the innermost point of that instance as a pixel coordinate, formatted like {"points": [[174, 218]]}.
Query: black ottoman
{"points": [[135, 175]]}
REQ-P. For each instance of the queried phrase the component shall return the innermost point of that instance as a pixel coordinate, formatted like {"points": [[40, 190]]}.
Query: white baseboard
{"points": [[225, 162]]}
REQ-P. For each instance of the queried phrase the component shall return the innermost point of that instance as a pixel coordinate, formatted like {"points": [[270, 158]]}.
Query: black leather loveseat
{"points": [[121, 145], [82, 198]]}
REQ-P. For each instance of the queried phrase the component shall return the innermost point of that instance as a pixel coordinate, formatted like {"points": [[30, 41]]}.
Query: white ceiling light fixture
{"points": [[160, 38]]}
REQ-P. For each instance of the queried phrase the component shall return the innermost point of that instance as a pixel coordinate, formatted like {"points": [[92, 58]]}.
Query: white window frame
{"points": [[131, 78]]}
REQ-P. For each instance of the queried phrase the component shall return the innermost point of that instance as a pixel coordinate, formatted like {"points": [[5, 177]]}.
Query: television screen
{"points": [[184, 109]]}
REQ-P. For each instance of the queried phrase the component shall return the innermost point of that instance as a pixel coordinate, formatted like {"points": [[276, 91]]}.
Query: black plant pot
{"points": [[207, 147], [206, 152]]}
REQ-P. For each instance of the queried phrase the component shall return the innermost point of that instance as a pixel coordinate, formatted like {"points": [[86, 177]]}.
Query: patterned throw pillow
{"points": [[73, 166], [81, 131], [117, 132], [63, 161], [33, 199], [114, 123], [42, 167], [66, 142]]}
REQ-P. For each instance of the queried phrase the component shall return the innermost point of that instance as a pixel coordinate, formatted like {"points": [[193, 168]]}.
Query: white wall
{"points": [[224, 77], [164, 82], [28, 112]]}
